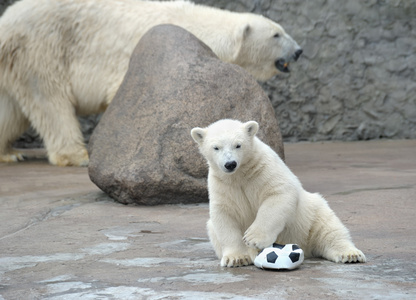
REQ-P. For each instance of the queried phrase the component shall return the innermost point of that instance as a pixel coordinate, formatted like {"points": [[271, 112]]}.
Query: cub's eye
{"points": [[276, 35], [238, 146], [216, 148]]}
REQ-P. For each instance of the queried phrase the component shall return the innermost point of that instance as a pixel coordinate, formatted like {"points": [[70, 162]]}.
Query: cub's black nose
{"points": [[230, 166], [298, 53]]}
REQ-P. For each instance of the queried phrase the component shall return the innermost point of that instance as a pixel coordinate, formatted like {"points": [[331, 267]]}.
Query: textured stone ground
{"points": [[61, 238]]}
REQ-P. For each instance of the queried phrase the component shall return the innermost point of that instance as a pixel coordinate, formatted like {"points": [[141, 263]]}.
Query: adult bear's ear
{"points": [[251, 127], [241, 34], [198, 134], [246, 31]]}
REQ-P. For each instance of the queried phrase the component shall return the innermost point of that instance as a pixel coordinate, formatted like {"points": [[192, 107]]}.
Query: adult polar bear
{"points": [[255, 200], [68, 57]]}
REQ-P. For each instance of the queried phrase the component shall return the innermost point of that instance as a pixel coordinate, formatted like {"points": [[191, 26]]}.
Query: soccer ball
{"points": [[280, 257]]}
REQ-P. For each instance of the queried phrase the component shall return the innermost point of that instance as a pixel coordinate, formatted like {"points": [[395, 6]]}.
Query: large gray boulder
{"points": [[142, 151]]}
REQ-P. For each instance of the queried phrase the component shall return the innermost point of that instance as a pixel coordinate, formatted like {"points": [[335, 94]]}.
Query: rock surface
{"points": [[141, 151]]}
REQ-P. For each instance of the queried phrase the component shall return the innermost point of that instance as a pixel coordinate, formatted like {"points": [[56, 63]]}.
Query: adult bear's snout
{"points": [[297, 54], [230, 165]]}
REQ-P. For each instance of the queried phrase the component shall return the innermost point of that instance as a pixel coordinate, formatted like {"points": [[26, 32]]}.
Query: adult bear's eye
{"points": [[238, 146], [276, 35], [216, 148]]}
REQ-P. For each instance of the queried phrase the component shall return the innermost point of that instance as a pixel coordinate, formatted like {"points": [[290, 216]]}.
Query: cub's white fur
{"points": [[68, 57], [255, 201]]}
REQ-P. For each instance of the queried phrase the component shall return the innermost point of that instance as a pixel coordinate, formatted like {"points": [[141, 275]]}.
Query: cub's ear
{"points": [[198, 134], [251, 127]]}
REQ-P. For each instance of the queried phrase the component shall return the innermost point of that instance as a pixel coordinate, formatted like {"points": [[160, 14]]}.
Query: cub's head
{"points": [[265, 47], [226, 144]]}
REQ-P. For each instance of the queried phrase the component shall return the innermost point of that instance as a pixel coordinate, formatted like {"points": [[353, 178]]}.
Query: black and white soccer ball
{"points": [[280, 257]]}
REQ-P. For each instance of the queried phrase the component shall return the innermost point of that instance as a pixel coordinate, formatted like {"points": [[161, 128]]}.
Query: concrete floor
{"points": [[61, 238]]}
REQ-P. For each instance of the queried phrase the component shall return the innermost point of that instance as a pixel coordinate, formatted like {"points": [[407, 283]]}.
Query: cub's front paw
{"points": [[351, 255], [236, 260], [259, 239]]}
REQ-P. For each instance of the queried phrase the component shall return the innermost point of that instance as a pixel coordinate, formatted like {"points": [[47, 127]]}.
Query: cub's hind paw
{"points": [[350, 256]]}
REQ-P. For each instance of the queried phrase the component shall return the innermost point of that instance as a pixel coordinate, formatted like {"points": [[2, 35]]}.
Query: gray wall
{"points": [[4, 4], [356, 79]]}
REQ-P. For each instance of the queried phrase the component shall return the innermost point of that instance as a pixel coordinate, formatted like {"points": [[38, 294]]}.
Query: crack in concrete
{"points": [[409, 186], [43, 216]]}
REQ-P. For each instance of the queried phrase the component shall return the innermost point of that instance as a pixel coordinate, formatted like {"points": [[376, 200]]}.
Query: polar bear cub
{"points": [[255, 200]]}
